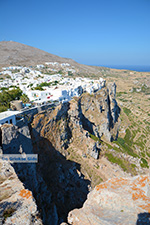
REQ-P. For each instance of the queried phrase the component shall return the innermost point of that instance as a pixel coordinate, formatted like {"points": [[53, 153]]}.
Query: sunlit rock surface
{"points": [[117, 201]]}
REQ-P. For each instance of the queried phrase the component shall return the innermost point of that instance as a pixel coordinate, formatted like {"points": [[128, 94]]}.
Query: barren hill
{"points": [[16, 53]]}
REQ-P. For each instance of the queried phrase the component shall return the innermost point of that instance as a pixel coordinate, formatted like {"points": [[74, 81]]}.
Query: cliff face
{"points": [[17, 205], [75, 129], [63, 177], [57, 185], [117, 201], [17, 141], [87, 118]]}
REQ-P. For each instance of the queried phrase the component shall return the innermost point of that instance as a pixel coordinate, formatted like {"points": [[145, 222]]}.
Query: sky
{"points": [[92, 32]]}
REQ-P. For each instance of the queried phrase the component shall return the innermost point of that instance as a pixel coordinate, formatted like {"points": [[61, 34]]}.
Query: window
{"points": [[11, 121]]}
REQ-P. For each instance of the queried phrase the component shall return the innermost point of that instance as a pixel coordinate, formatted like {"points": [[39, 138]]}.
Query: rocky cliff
{"points": [[117, 201], [17, 205], [82, 122], [76, 129], [17, 140], [57, 185], [69, 141]]}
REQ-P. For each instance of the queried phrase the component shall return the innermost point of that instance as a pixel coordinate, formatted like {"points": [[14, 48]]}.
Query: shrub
{"points": [[39, 88], [9, 95], [24, 98], [144, 163], [94, 137], [116, 160], [118, 94], [126, 148], [128, 138], [3, 108], [126, 111], [8, 213]]}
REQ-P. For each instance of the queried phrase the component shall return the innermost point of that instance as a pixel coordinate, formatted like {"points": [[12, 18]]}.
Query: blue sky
{"points": [[94, 32]]}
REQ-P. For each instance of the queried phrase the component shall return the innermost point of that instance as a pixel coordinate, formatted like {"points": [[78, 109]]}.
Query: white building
{"points": [[8, 117], [6, 72], [59, 94], [25, 70], [40, 66], [37, 95]]}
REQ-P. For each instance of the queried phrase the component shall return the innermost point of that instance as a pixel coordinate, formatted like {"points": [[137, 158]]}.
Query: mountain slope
{"points": [[16, 53]]}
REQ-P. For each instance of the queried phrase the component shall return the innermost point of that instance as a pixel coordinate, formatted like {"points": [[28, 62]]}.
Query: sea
{"points": [[134, 68]]}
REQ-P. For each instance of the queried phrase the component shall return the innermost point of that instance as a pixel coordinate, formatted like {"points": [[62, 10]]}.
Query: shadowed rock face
{"points": [[56, 183], [117, 201], [17, 205], [16, 141], [63, 178]]}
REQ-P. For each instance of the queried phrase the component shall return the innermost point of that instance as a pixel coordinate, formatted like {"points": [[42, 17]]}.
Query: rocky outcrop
{"points": [[114, 108], [117, 201], [63, 177], [86, 118], [95, 113], [17, 205], [18, 141]]}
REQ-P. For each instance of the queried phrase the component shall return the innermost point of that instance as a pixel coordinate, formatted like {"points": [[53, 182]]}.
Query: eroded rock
{"points": [[17, 140], [117, 201], [17, 205]]}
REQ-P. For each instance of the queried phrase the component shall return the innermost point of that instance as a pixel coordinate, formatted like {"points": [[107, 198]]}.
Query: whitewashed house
{"points": [[59, 94], [25, 70], [37, 95], [40, 66], [6, 72]]}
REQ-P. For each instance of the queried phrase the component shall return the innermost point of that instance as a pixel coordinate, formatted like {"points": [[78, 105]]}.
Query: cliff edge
{"points": [[117, 201]]}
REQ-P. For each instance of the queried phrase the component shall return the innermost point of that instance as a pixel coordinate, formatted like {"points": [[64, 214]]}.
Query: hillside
{"points": [[14, 53], [75, 152]]}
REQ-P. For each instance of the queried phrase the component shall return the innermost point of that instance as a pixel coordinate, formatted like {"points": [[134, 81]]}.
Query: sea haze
{"points": [[134, 68]]}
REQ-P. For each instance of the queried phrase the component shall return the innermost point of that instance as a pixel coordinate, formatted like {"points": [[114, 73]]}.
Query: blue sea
{"points": [[134, 68]]}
